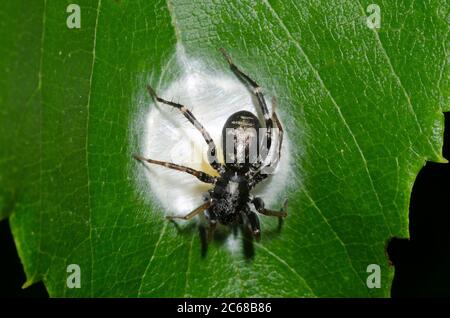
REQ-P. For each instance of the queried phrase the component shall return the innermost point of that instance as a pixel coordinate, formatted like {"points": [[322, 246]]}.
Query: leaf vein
{"points": [[289, 267], [87, 146], [335, 233], [163, 230]]}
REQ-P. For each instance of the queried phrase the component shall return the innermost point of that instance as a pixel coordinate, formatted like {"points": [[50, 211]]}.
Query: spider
{"points": [[229, 201]]}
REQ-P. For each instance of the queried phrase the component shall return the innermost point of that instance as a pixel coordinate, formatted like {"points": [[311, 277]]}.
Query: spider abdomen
{"points": [[240, 141]]}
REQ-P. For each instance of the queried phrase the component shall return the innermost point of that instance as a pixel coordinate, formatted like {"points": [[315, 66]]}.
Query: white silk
{"points": [[212, 96]]}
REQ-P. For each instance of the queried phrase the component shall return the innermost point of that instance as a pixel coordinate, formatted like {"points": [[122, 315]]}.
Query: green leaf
{"points": [[368, 103]]}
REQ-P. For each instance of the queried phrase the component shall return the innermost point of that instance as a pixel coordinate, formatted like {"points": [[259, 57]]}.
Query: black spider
{"points": [[228, 202]]}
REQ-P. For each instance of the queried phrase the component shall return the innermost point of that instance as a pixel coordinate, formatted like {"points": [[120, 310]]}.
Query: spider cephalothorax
{"points": [[229, 202]]}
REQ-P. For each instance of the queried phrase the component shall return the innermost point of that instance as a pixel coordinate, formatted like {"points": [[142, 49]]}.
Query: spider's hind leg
{"points": [[258, 92], [212, 152], [280, 129]]}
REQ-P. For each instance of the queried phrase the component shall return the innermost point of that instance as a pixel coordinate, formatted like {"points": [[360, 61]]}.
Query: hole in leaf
{"points": [[422, 263]]}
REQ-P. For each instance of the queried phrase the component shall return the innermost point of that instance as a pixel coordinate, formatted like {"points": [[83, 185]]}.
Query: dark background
{"points": [[422, 264]]}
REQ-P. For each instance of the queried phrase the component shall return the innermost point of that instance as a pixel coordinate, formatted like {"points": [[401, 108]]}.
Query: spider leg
{"points": [[273, 163], [190, 215], [188, 114], [259, 205], [202, 176], [254, 224], [278, 124], [258, 92], [259, 176], [211, 228]]}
